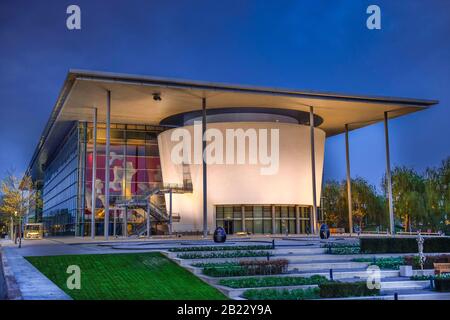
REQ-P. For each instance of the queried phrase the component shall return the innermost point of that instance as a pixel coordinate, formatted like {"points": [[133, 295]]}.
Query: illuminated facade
{"points": [[148, 193]]}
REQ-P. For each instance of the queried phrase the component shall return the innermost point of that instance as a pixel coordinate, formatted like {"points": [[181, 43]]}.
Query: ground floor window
{"points": [[263, 219]]}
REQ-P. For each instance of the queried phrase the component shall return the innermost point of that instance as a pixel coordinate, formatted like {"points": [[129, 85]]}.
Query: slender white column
{"points": [[204, 166], [349, 182], [94, 173], [313, 172], [107, 157], [388, 175], [170, 212], [297, 219], [149, 232]]}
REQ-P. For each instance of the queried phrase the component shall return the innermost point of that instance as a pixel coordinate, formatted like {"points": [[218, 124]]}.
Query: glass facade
{"points": [[263, 219], [134, 170], [59, 192], [67, 187]]}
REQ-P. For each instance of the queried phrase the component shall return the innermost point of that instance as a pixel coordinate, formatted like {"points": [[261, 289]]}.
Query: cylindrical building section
{"points": [[280, 177]]}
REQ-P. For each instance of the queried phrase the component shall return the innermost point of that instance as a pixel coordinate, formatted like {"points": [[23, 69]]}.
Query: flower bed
{"points": [[384, 263], [274, 294], [215, 264], [336, 289], [221, 248], [232, 254], [247, 268], [403, 245], [342, 248], [272, 281]]}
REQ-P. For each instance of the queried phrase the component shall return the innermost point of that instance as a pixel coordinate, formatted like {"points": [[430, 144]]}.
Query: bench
{"points": [[337, 230], [440, 268]]}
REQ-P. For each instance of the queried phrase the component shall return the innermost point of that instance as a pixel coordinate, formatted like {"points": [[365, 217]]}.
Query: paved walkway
{"points": [[33, 285]]}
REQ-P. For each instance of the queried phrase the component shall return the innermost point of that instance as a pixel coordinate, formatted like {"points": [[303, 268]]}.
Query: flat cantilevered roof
{"points": [[132, 102]]}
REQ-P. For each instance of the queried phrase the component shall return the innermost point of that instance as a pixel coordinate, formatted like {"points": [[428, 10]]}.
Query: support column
{"points": [[149, 229], [297, 219], [273, 219], [388, 175], [243, 218], [170, 212], [349, 183], [94, 173], [125, 222], [313, 172], [107, 157], [205, 185]]}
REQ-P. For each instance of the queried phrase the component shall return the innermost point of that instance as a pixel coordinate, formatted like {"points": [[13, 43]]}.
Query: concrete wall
{"points": [[244, 183]]}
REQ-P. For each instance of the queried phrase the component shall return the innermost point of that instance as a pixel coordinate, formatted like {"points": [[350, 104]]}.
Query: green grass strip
{"points": [[131, 276]]}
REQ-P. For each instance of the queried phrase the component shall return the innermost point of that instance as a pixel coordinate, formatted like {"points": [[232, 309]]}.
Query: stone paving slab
{"points": [[33, 285]]}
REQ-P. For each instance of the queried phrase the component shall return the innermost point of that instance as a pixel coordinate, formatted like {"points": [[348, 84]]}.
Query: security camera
{"points": [[156, 96]]}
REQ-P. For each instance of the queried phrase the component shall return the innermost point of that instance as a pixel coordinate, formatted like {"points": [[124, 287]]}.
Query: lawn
{"points": [[136, 276]]}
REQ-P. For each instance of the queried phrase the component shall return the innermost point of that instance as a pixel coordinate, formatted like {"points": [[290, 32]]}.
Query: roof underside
{"points": [[133, 103]]}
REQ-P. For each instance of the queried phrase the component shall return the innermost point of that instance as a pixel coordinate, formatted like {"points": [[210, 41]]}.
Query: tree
{"points": [[408, 193], [367, 207], [332, 204], [437, 194], [18, 196]]}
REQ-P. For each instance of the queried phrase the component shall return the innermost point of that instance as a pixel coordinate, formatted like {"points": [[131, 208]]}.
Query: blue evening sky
{"points": [[312, 45]]}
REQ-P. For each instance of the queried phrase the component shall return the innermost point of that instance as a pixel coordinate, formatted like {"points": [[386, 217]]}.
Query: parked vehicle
{"points": [[33, 231]]}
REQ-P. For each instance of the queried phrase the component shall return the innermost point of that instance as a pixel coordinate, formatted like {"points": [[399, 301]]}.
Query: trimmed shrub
{"points": [[272, 281], [384, 263], [342, 248], [247, 268], [403, 245], [285, 294], [215, 264], [442, 284], [336, 289], [232, 254], [221, 248]]}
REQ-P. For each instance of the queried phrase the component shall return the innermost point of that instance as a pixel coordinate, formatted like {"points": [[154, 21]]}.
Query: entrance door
{"points": [[228, 226]]}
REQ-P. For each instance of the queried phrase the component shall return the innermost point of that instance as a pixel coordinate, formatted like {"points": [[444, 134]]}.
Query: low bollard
{"points": [[431, 283], [268, 256], [331, 274], [396, 296], [273, 243]]}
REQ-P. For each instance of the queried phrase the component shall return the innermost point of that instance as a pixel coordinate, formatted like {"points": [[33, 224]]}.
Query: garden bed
{"points": [[258, 282], [404, 245], [221, 255], [247, 268]]}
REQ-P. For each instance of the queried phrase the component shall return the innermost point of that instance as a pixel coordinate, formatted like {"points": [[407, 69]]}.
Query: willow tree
{"points": [[437, 191], [18, 196], [408, 192]]}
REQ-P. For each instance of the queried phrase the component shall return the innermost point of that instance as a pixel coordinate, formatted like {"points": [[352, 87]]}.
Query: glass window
{"points": [[257, 212], [219, 212], [228, 212]]}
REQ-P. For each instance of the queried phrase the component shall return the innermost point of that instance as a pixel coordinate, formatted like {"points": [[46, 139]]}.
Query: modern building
{"points": [[106, 159]]}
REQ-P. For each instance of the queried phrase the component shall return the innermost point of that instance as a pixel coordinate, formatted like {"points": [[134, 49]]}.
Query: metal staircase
{"points": [[157, 212]]}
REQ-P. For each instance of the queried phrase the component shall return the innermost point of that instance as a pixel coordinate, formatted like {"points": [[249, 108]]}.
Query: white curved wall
{"points": [[243, 183]]}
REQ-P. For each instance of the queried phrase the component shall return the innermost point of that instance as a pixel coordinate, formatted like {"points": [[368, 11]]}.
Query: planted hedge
{"points": [[221, 248], [336, 289], [230, 254], [384, 263], [274, 294], [403, 245], [272, 281], [442, 284], [342, 248], [248, 268]]}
